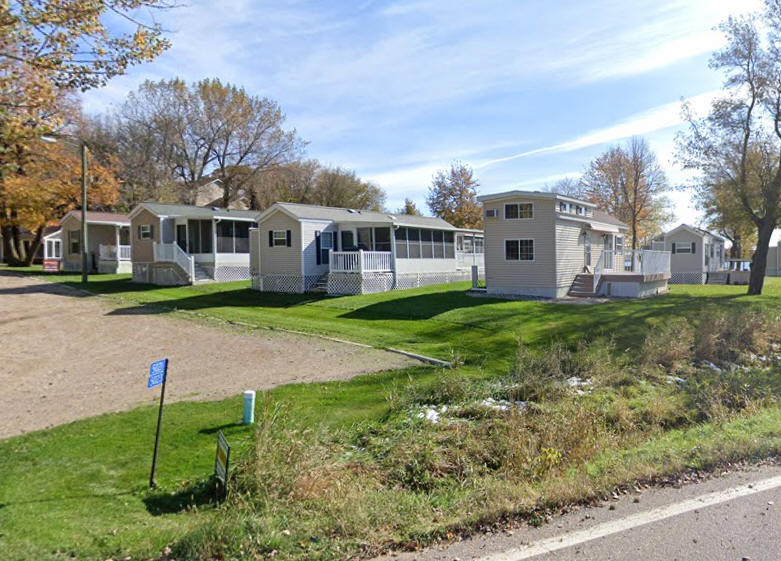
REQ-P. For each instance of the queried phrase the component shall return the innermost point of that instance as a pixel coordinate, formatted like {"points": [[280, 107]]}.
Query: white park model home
{"points": [[300, 247], [549, 245], [698, 256]]}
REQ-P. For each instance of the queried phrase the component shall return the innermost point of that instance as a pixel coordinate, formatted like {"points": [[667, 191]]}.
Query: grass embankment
{"points": [[342, 469]]}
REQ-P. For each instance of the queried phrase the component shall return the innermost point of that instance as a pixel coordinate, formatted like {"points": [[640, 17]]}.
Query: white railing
{"points": [[631, 262], [172, 253], [109, 252], [360, 261], [467, 260]]}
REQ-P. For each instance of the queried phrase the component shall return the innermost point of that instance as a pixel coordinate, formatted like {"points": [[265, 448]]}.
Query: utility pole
{"points": [[84, 254]]}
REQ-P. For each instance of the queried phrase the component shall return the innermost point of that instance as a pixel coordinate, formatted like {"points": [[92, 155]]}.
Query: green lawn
{"points": [[440, 321], [79, 490]]}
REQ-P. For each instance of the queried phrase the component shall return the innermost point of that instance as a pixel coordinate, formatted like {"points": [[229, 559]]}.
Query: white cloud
{"points": [[655, 119]]}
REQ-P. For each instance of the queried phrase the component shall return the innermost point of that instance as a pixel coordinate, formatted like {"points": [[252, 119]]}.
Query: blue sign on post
{"points": [[157, 371]]}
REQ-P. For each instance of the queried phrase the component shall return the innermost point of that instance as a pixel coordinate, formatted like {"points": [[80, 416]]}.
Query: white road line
{"points": [[641, 518]]}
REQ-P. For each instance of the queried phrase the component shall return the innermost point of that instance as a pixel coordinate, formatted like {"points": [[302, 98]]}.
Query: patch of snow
{"points": [[675, 380]]}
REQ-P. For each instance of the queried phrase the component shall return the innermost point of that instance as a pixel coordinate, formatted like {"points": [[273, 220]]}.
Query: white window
{"points": [[491, 213], [683, 248], [145, 232], [519, 250], [517, 211], [53, 249], [280, 238]]}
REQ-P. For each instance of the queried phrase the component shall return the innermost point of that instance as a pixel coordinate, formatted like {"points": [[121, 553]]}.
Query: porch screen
{"points": [[382, 239], [200, 236], [417, 243], [232, 236]]}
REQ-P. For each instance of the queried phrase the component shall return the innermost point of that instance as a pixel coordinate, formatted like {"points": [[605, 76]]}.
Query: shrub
{"points": [[669, 344]]}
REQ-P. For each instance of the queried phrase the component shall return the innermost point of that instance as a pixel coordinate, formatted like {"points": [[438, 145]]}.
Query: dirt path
{"points": [[63, 356]]}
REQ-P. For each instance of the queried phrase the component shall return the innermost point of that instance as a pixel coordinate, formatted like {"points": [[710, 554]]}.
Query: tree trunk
{"points": [[736, 251], [759, 260], [36, 243]]}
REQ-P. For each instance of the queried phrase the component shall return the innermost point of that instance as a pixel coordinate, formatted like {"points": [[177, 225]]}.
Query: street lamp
{"points": [[83, 149]]}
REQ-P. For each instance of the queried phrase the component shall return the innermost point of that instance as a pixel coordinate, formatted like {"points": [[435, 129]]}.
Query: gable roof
{"points": [[694, 230], [534, 195], [94, 217], [195, 212], [605, 218], [351, 215]]}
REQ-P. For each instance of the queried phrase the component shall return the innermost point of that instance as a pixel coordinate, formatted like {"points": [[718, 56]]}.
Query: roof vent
{"points": [[352, 211], [215, 208]]}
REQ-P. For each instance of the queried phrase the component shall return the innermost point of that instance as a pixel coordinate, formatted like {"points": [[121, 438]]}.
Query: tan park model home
{"points": [[302, 248], [184, 244], [108, 242], [697, 256], [549, 245]]}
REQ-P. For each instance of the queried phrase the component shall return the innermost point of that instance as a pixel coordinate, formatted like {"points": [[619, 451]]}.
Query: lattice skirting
{"points": [[369, 283], [227, 273], [279, 283], [678, 277]]}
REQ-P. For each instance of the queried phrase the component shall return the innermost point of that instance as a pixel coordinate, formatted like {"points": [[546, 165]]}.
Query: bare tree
{"points": [[738, 144], [628, 182]]}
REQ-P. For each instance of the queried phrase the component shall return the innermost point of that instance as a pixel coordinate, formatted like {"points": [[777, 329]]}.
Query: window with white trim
{"points": [[279, 238], [519, 250], [74, 242], [145, 232], [518, 211]]}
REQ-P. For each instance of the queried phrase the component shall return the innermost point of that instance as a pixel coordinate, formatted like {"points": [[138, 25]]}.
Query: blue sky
{"points": [[525, 91]]}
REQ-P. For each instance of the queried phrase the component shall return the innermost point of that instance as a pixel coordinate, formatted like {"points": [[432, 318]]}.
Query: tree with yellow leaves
{"points": [[45, 189]]}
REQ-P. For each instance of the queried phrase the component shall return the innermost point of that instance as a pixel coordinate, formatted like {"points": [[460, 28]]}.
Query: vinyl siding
{"points": [[142, 250], [686, 262], [774, 261], [536, 277], [308, 230], [570, 252], [97, 234], [281, 259]]}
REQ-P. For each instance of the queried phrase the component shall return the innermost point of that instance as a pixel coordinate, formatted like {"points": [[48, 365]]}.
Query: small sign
{"points": [[51, 265], [157, 372], [221, 462]]}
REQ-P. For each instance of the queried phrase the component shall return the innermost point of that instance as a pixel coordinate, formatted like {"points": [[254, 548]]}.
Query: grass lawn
{"points": [[79, 490], [440, 321]]}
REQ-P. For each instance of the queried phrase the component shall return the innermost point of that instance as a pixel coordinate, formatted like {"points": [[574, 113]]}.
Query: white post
{"points": [[116, 242], [393, 253], [249, 407], [475, 278], [360, 261]]}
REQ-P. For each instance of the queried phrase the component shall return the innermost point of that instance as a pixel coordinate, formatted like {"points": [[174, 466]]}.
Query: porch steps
{"points": [[582, 286], [201, 276], [321, 285]]}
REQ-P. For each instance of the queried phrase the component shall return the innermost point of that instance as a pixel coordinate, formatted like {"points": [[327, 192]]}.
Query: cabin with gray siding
{"points": [[696, 255], [108, 243], [548, 245]]}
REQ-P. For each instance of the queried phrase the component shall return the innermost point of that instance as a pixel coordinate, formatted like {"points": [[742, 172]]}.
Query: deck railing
{"points": [[632, 262], [109, 252], [467, 260], [172, 253], [360, 261]]}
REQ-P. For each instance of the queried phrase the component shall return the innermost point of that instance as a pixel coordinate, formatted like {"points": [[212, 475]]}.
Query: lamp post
{"points": [[83, 241]]}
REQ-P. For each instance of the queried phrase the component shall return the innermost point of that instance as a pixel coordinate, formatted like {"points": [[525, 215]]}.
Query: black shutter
{"points": [[151, 231], [289, 238], [271, 238], [317, 246], [694, 247], [673, 248]]}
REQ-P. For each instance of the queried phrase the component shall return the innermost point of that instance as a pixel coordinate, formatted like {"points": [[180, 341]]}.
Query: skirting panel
{"points": [[370, 283], [162, 274], [228, 273], [679, 277], [279, 283]]}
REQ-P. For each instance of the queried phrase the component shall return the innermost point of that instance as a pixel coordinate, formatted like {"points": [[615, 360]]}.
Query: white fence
{"points": [[360, 261], [109, 252], [172, 253], [634, 262], [467, 260]]}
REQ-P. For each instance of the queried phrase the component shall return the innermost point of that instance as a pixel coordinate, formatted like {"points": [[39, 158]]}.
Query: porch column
{"points": [[116, 243], [214, 244], [393, 252]]}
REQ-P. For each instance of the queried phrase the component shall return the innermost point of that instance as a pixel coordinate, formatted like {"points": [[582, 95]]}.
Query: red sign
{"points": [[51, 265]]}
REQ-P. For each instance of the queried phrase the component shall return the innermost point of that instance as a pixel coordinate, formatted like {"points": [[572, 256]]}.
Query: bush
{"points": [[669, 345]]}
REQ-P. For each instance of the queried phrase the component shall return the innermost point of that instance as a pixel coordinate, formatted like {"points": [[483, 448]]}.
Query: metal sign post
{"points": [[221, 462], [158, 373]]}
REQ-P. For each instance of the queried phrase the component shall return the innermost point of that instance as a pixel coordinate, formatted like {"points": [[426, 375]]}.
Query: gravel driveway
{"points": [[64, 356]]}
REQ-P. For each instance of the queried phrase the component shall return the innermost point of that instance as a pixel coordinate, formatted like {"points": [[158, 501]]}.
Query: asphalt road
{"points": [[733, 517]]}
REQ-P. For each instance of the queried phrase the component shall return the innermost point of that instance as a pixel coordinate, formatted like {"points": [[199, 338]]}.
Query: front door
{"points": [[181, 236]]}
